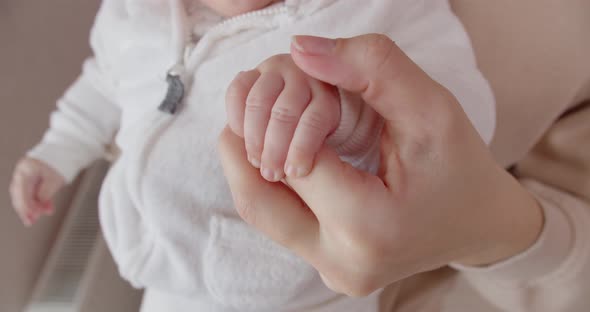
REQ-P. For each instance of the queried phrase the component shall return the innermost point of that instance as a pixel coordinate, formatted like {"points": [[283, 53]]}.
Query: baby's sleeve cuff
{"points": [[68, 163], [359, 127]]}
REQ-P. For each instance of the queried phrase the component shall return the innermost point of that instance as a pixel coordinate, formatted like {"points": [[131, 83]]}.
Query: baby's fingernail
{"points": [[290, 171], [314, 45], [255, 162], [296, 172], [271, 175]]}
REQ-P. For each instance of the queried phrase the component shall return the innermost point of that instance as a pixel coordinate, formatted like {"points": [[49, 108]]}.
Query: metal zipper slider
{"points": [[175, 93]]}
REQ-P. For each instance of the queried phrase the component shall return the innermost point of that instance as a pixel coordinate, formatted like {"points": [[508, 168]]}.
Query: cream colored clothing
{"points": [[166, 211], [551, 276]]}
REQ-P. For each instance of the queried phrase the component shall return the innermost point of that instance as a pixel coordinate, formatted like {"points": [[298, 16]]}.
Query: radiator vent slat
{"points": [[59, 283]]}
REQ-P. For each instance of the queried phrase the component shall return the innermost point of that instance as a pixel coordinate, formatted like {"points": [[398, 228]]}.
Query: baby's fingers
{"points": [[44, 195], [235, 99], [259, 103], [318, 121], [285, 116], [22, 194]]}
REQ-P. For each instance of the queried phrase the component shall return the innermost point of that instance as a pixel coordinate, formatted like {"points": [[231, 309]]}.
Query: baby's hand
{"points": [[33, 186], [283, 115]]}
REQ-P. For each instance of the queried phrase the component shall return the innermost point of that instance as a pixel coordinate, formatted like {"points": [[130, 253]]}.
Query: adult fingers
{"points": [[285, 116], [270, 207], [259, 103], [235, 99]]}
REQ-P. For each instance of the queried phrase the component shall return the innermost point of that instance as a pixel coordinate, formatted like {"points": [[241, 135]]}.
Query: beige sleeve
{"points": [[537, 66], [552, 158], [554, 273]]}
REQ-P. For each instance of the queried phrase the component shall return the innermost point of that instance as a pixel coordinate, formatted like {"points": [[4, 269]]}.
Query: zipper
{"points": [[175, 92], [216, 32], [270, 11], [175, 76]]}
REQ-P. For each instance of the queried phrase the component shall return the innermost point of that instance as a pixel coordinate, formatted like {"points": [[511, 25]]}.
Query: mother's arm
{"points": [[536, 55]]}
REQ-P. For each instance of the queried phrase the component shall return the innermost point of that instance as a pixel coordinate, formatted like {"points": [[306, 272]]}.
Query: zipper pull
{"points": [[175, 93]]}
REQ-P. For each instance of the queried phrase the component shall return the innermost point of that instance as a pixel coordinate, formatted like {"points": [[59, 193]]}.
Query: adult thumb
{"points": [[371, 65]]}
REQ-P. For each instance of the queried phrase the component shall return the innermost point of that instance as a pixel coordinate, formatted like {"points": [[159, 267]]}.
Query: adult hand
{"points": [[439, 196]]}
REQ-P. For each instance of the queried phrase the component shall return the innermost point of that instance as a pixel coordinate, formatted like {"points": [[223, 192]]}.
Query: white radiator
{"points": [[60, 285]]}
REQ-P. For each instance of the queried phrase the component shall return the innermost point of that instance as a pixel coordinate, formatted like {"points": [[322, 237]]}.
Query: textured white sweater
{"points": [[166, 211]]}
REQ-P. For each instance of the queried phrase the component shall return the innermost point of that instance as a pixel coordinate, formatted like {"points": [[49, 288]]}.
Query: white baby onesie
{"points": [[165, 208]]}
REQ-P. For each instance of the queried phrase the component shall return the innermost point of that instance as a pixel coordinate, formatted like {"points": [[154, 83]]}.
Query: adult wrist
{"points": [[516, 223]]}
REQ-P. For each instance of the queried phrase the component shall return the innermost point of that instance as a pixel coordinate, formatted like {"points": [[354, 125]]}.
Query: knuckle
{"points": [[377, 44], [284, 115], [316, 122], [275, 61], [379, 54], [378, 49], [240, 85], [256, 102]]}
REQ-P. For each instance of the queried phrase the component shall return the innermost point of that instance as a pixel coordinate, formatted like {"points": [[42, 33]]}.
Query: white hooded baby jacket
{"points": [[165, 209]]}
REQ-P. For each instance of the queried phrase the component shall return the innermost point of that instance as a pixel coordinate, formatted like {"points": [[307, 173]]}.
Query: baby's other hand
{"points": [[283, 115], [33, 186]]}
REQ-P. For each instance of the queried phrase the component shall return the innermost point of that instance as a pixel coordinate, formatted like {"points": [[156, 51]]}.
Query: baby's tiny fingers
{"points": [[22, 200], [318, 121], [259, 104], [284, 119], [47, 208], [235, 99]]}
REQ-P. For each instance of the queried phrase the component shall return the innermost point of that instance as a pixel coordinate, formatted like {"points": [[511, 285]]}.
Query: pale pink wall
{"points": [[41, 46]]}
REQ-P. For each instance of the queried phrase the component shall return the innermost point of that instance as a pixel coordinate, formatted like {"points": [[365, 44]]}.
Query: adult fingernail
{"points": [[271, 175], [314, 45]]}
